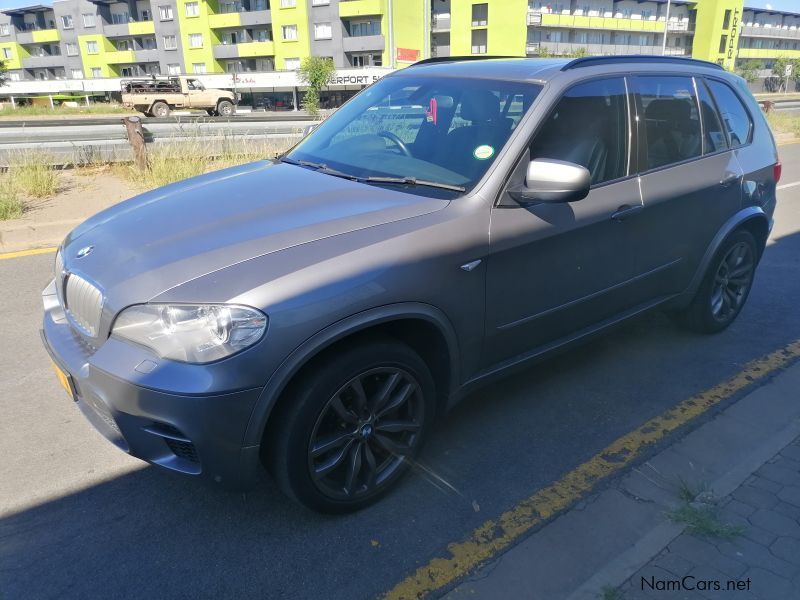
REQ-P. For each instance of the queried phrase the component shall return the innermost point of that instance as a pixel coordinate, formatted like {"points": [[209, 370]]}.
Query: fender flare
{"points": [[749, 213], [333, 333]]}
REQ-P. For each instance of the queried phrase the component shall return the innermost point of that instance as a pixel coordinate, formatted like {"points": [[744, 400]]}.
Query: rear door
{"points": [[691, 180]]}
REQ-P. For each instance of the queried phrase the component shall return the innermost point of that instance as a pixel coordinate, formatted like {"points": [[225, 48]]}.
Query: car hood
{"points": [[151, 243]]}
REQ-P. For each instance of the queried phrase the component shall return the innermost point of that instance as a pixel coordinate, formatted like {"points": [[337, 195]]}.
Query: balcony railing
{"points": [[362, 43], [441, 50], [770, 32], [599, 49], [542, 19], [440, 22]]}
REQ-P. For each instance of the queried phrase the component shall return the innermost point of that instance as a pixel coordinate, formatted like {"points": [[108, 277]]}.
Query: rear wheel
{"points": [[212, 112], [225, 108], [725, 287], [350, 430], [160, 109]]}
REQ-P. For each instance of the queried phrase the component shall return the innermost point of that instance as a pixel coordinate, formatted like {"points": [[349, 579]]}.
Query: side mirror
{"points": [[552, 181]]}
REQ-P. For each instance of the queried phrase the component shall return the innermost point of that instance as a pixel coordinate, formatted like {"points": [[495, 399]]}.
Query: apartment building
{"points": [[93, 39]]}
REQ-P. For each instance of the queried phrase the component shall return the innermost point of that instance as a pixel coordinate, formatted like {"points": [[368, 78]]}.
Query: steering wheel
{"points": [[396, 141]]}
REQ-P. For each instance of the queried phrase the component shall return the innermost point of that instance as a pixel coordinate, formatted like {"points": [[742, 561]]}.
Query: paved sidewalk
{"points": [[761, 561], [735, 479]]}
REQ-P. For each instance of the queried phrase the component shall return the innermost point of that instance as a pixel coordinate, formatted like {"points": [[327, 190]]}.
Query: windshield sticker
{"points": [[483, 152], [430, 114]]}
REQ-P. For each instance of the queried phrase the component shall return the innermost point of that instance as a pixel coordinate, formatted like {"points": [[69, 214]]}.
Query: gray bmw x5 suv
{"points": [[313, 314]]}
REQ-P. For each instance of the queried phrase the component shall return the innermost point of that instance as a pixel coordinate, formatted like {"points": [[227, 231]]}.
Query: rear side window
{"points": [[714, 139], [589, 127], [672, 121], [737, 120]]}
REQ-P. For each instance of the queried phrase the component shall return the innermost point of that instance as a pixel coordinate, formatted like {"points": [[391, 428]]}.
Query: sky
{"points": [[790, 5]]}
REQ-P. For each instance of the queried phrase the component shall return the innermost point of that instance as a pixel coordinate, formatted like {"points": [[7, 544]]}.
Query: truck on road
{"points": [[157, 97]]}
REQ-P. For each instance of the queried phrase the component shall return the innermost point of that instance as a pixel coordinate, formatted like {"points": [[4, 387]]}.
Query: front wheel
{"points": [[348, 433], [725, 287], [225, 108]]}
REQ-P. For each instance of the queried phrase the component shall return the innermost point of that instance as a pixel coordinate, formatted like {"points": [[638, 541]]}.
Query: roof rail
{"points": [[443, 59], [591, 61]]}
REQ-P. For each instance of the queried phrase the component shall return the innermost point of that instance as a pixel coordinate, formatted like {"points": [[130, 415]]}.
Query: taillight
{"points": [[777, 171]]}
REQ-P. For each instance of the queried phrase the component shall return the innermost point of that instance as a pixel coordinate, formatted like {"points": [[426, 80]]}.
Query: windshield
{"points": [[435, 130]]}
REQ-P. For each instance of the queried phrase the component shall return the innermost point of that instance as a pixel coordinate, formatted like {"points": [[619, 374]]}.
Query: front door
{"points": [[556, 269]]}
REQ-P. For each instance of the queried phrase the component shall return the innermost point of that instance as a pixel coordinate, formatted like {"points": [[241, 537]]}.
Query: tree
{"points": [[315, 72], [784, 69], [749, 70], [3, 71]]}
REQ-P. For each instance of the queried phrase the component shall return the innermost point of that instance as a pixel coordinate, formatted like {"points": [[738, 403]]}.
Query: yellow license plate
{"points": [[63, 379]]}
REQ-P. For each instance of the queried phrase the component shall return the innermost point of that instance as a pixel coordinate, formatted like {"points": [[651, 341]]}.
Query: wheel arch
{"points": [[154, 102], [423, 327], [752, 219]]}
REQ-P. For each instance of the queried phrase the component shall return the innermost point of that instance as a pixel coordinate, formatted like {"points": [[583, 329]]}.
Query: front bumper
{"points": [[189, 433]]}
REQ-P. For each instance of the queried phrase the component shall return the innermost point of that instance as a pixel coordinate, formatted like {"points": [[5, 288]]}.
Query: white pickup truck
{"points": [[158, 96]]}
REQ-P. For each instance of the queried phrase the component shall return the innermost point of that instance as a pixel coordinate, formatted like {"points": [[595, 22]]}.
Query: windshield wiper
{"points": [[325, 169], [320, 168], [413, 181]]}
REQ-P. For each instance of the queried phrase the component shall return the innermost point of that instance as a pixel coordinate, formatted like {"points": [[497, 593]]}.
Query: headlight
{"points": [[196, 333]]}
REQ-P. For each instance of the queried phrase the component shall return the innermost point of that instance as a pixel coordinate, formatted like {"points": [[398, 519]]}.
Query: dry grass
{"points": [[784, 122], [169, 161], [11, 207], [104, 108], [32, 174]]}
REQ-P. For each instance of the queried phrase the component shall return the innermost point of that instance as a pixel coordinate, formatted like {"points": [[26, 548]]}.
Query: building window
{"points": [[195, 40], [192, 9], [14, 76], [4, 29], [76, 73], [199, 68], [148, 43], [367, 60], [363, 28], [173, 69], [7, 53], [320, 2], [165, 13], [723, 44], [170, 42], [88, 20], [125, 45], [72, 48], [289, 33], [262, 35], [479, 41], [120, 18], [291, 64], [480, 15], [322, 31], [288, 3], [66, 21], [260, 5], [726, 22], [91, 47], [97, 73]]}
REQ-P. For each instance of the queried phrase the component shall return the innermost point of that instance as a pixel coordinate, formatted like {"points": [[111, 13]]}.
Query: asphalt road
{"points": [[79, 519]]}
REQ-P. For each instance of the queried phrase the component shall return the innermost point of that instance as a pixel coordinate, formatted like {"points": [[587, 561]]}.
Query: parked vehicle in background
{"points": [[157, 97], [455, 220]]}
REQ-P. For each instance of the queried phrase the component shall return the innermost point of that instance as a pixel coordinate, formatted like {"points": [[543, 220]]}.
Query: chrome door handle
{"points": [[625, 211], [729, 179]]}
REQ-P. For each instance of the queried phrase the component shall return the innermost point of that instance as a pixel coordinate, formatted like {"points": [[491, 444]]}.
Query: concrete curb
{"points": [[35, 235], [607, 538]]}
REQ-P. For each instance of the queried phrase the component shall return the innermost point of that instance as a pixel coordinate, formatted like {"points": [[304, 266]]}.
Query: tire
{"points": [[721, 296], [321, 429], [160, 109], [225, 108], [211, 112]]}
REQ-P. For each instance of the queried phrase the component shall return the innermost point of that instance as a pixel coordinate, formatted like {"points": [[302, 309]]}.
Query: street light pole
{"points": [[666, 28]]}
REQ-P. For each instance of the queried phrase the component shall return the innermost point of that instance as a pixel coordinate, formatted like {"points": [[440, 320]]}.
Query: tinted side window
{"points": [[714, 138], [734, 115], [589, 127], [672, 121]]}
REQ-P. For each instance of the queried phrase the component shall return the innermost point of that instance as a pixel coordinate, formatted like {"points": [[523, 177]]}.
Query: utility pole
{"points": [[666, 28]]}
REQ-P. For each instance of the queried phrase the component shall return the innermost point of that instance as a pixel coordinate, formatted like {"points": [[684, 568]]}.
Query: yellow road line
{"points": [[22, 253], [497, 534]]}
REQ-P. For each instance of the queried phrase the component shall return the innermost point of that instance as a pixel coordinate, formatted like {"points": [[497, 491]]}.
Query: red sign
{"points": [[407, 55]]}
